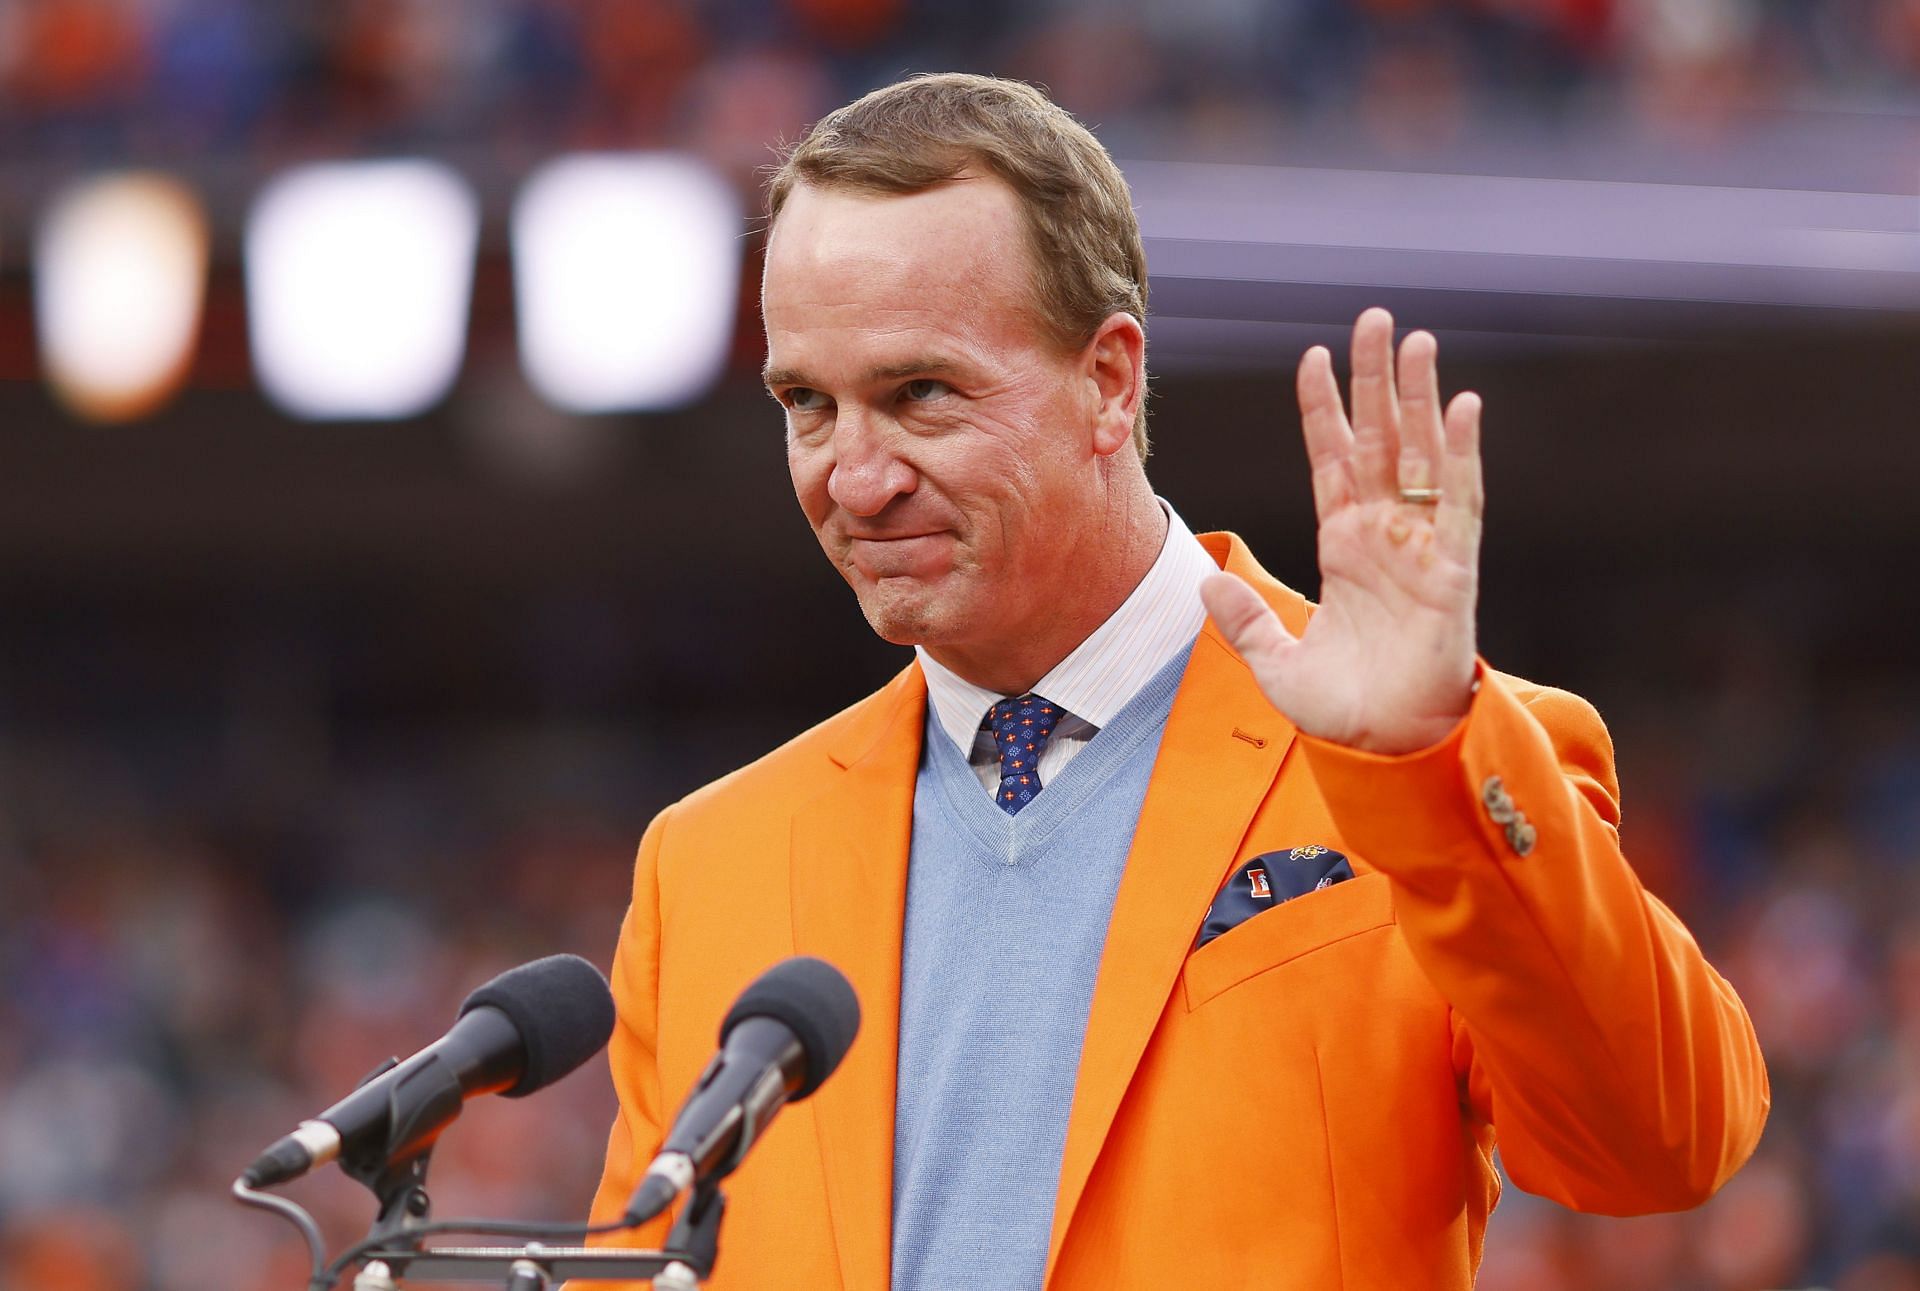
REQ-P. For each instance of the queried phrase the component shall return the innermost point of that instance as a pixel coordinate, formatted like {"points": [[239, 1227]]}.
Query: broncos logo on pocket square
{"points": [[1269, 879]]}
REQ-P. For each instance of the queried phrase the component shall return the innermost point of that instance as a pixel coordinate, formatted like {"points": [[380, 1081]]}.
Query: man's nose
{"points": [[867, 471]]}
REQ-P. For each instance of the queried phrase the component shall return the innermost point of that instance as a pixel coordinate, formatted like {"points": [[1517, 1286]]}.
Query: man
{"points": [[1201, 935]]}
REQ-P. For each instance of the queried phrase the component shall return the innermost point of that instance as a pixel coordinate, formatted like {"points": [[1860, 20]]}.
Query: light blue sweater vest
{"points": [[1006, 919]]}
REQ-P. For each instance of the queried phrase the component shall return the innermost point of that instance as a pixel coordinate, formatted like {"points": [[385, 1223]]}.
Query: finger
{"points": [[1421, 435], [1247, 622], [1323, 424], [1376, 430], [1462, 495]]}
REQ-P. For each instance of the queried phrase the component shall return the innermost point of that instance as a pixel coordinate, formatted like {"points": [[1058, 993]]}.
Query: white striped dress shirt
{"points": [[1093, 683]]}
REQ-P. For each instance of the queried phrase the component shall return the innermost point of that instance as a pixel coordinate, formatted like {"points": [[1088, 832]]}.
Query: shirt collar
{"points": [[1157, 620]]}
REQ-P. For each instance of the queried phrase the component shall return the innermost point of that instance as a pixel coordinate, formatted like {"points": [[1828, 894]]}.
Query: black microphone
{"points": [[782, 1038], [519, 1033]]}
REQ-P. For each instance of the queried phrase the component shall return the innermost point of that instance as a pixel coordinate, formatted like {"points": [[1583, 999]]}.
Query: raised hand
{"points": [[1387, 662]]}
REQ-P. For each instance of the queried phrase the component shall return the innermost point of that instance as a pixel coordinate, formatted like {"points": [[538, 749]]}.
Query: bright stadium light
{"points": [[626, 273], [120, 274], [359, 275]]}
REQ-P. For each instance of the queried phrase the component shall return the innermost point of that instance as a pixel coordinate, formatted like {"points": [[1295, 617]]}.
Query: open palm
{"points": [[1387, 662]]}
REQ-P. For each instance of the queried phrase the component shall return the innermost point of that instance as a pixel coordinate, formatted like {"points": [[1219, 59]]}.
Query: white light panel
{"points": [[120, 273], [359, 277], [626, 273]]}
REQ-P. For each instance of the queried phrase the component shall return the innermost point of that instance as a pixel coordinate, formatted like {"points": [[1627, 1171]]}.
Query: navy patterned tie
{"points": [[1020, 730]]}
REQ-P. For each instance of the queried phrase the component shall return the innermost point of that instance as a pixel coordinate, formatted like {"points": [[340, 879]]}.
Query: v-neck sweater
{"points": [[1005, 923]]}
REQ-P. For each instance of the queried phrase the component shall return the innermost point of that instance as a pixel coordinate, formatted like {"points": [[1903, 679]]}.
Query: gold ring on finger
{"points": [[1421, 497]]}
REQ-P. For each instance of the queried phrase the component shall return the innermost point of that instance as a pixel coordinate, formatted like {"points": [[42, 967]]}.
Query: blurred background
{"points": [[391, 522]]}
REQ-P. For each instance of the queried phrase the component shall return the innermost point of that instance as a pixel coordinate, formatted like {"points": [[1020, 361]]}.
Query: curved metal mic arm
{"points": [[293, 1213]]}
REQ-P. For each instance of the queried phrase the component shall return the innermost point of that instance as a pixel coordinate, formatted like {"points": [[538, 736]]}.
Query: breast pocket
{"points": [[1310, 922]]}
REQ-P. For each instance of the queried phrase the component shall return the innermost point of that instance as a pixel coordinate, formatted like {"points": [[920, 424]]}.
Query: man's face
{"points": [[940, 443]]}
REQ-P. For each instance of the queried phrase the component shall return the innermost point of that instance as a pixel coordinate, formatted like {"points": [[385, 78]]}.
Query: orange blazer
{"points": [[1311, 1099]]}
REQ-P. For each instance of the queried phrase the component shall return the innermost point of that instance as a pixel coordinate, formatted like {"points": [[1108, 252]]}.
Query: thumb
{"points": [[1247, 622]]}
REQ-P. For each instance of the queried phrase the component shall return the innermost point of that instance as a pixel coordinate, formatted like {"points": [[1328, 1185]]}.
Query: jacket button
{"points": [[1498, 803], [1521, 836]]}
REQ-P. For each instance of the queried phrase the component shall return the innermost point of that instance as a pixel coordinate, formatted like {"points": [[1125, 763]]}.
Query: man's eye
{"points": [[924, 389], [802, 399]]}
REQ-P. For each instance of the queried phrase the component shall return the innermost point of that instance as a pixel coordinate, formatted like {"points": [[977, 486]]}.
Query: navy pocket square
{"points": [[1269, 879]]}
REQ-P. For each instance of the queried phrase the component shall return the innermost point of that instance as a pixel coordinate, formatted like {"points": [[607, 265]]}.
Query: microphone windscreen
{"points": [[814, 999], [563, 1010]]}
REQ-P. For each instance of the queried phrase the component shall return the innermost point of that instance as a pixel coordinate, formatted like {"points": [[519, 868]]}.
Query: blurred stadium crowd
{"points": [[163, 79], [193, 958], [188, 976]]}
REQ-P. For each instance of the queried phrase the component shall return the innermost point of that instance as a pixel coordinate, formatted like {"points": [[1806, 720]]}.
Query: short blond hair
{"points": [[1088, 261]]}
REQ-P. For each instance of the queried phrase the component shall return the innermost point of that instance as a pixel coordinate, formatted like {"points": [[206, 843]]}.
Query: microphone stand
{"points": [[395, 1247], [685, 1262], [400, 1189], [696, 1239]]}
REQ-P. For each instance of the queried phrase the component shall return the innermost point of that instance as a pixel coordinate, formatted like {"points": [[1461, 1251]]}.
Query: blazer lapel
{"points": [[849, 883], [1222, 747]]}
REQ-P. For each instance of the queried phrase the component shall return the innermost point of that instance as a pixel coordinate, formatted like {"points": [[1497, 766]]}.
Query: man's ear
{"points": [[1116, 368]]}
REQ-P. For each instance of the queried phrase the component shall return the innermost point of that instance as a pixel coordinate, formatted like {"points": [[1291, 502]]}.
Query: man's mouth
{"points": [[898, 555]]}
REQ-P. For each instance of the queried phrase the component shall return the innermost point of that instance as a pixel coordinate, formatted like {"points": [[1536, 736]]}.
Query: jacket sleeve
{"points": [[637, 1131], [1619, 1070]]}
